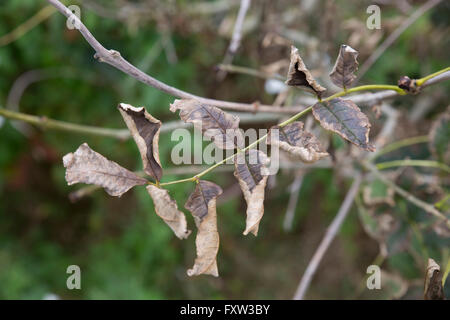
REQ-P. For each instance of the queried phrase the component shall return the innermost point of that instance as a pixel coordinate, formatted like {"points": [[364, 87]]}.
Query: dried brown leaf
{"points": [[221, 127], [346, 119], [299, 75], [300, 144], [167, 209], [145, 131], [202, 205], [87, 166], [252, 174], [345, 67], [433, 282]]}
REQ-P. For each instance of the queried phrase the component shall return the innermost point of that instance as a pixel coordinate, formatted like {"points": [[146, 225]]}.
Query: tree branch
{"points": [[328, 238]]}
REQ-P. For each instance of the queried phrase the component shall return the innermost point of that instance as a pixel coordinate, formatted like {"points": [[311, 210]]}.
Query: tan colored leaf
{"points": [[300, 144], [88, 166], [221, 127], [145, 131], [299, 75], [202, 205], [167, 209], [433, 282], [346, 119], [345, 67], [252, 174]]}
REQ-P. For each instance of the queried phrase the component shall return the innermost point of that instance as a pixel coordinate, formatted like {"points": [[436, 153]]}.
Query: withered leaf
{"points": [[300, 144], [145, 131], [202, 205], [346, 119], [345, 67], [439, 137], [433, 282], [167, 209], [252, 174], [87, 166], [299, 76], [221, 127]]}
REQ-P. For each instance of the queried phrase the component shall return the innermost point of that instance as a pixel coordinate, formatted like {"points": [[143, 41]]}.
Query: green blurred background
{"points": [[123, 249]]}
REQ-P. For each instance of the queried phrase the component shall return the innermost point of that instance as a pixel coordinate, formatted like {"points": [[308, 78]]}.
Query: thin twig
{"points": [[413, 163], [235, 38], [113, 58], [328, 238], [405, 194], [394, 36], [293, 200], [22, 29]]}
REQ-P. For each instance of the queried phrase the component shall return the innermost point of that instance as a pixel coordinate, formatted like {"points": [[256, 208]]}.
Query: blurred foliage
{"points": [[124, 250]]}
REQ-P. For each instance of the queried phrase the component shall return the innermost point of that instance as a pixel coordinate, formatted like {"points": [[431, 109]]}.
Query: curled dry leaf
{"points": [[252, 174], [202, 205], [167, 209], [433, 282], [345, 67], [299, 143], [87, 166], [346, 119], [299, 75], [145, 131], [439, 137], [221, 127]]}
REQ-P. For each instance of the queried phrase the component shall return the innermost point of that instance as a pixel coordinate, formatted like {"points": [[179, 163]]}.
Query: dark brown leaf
{"points": [[145, 131], [221, 127], [345, 67], [346, 119], [88, 166], [252, 174], [433, 282], [202, 205], [299, 143], [167, 209], [299, 75]]}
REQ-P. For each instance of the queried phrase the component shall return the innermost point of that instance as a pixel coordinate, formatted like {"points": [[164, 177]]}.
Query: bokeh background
{"points": [[124, 250]]}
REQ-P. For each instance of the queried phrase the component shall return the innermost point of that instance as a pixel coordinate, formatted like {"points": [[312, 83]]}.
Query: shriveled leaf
{"points": [[202, 205], [167, 209], [345, 67], [300, 144], [252, 174], [346, 119], [433, 282], [299, 75], [145, 131], [439, 137], [221, 127], [87, 166]]}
